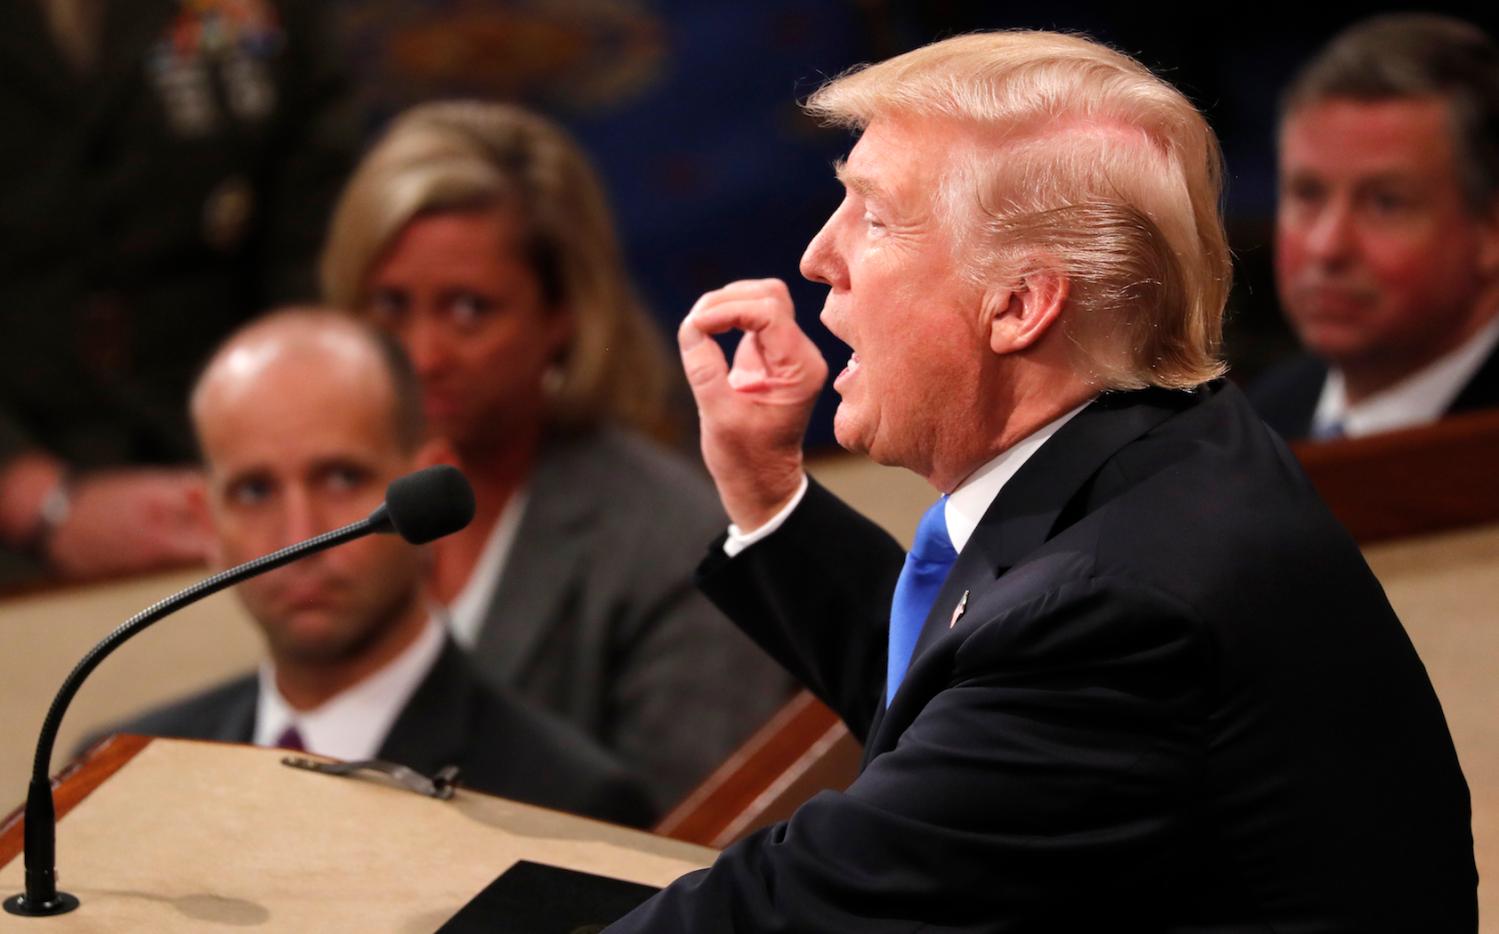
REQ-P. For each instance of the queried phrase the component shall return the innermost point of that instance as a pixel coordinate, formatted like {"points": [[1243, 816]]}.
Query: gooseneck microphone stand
{"points": [[420, 507], [41, 897]]}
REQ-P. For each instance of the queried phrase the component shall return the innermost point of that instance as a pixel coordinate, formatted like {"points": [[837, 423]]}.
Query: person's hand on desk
{"points": [[754, 414]]}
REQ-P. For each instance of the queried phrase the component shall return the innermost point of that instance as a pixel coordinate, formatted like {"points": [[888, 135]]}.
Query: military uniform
{"points": [[150, 204]]}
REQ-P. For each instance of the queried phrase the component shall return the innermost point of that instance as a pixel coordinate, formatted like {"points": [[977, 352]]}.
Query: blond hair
{"points": [[1090, 167], [464, 156]]}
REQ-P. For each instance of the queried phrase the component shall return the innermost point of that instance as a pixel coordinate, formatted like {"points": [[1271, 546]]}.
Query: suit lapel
{"points": [[132, 29], [237, 722], [529, 597], [1482, 391], [1029, 509], [1290, 402], [430, 730]]}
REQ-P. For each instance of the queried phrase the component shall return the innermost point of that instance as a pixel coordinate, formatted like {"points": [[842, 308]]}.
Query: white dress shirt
{"points": [[1419, 399], [966, 505], [352, 724], [466, 612]]}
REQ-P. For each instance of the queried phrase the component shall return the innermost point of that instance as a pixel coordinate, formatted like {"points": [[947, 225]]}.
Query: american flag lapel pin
{"points": [[959, 610]]}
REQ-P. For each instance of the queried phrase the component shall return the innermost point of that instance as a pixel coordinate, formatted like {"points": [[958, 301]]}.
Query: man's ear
{"points": [[1019, 314]]}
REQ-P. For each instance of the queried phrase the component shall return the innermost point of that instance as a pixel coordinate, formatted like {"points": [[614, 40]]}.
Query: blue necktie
{"points": [[1331, 431], [930, 558]]}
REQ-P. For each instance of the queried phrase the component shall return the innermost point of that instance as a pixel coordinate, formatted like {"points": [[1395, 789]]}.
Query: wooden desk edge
{"points": [[1414, 481], [70, 786], [721, 801]]}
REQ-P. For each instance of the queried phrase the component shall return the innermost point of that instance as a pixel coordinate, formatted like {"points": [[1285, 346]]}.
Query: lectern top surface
{"points": [[191, 836]]}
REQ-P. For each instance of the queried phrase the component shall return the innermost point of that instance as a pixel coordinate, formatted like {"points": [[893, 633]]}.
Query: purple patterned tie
{"points": [[290, 739]]}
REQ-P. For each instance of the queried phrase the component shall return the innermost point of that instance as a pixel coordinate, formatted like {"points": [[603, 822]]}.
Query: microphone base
{"points": [[59, 904]]}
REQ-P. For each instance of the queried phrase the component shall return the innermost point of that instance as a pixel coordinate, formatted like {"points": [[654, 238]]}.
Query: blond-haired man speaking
{"points": [[1132, 676]]}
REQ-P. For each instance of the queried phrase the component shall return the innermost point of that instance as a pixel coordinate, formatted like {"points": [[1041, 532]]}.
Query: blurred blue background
{"points": [[690, 112]]}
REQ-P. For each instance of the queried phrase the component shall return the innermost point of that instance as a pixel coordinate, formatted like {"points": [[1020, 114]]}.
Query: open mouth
{"points": [[853, 362], [849, 369], [1335, 300]]}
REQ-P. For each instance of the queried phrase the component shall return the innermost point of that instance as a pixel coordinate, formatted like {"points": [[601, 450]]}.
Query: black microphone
{"points": [[419, 507], [426, 505]]}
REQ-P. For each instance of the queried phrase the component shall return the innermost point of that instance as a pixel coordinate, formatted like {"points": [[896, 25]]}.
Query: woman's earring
{"points": [[552, 380]]}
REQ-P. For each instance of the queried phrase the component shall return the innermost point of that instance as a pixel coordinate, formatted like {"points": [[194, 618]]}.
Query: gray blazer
{"points": [[596, 615]]}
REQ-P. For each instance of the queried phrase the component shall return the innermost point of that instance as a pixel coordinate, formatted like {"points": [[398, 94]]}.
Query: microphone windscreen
{"points": [[430, 503]]}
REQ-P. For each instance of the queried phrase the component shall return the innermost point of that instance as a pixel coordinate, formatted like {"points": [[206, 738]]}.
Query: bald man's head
{"points": [[310, 337], [303, 419]]}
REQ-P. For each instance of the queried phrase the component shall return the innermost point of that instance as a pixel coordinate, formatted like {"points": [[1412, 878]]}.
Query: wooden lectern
{"points": [[171, 835]]}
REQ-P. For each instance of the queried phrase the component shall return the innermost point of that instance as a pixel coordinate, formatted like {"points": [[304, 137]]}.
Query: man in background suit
{"points": [[1387, 234], [1132, 676], [304, 418]]}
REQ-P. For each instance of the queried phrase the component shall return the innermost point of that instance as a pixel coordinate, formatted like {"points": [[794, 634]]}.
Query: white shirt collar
{"points": [[466, 612], [352, 724], [1420, 398], [967, 504], [965, 507]]}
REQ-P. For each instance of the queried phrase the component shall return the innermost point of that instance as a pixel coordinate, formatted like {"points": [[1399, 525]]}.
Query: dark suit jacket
{"points": [[1176, 701], [130, 246], [1286, 396], [597, 619], [500, 745]]}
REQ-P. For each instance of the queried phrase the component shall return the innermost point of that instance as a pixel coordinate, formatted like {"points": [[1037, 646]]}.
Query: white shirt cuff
{"points": [[739, 539]]}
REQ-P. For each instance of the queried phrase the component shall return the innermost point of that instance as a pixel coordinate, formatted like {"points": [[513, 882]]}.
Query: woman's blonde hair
{"points": [[463, 156], [1090, 166]]}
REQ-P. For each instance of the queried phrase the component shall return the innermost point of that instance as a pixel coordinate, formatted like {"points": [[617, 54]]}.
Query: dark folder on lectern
{"points": [[532, 898]]}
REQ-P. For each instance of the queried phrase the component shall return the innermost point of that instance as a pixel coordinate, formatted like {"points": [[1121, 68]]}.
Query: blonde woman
{"points": [[479, 235]]}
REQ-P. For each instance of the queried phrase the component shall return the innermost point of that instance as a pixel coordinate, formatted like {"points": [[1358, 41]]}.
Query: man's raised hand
{"points": [[753, 415]]}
